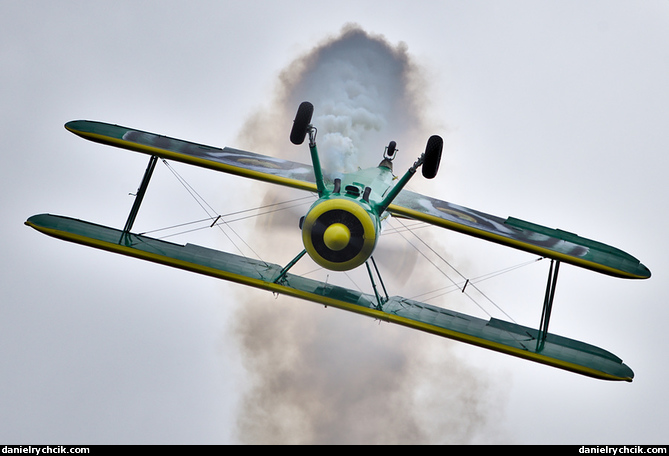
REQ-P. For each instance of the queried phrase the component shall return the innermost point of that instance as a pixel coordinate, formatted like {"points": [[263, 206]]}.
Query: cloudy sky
{"points": [[553, 112]]}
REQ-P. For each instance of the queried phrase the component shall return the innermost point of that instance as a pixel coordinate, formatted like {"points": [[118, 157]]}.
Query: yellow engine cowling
{"points": [[339, 233]]}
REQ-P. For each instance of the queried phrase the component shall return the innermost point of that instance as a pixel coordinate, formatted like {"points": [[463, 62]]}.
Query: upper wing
{"points": [[234, 161], [547, 242]]}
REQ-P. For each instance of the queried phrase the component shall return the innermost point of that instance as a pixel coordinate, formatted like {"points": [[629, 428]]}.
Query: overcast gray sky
{"points": [[553, 112]]}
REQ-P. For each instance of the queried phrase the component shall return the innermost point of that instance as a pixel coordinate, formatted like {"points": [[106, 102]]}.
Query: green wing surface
{"points": [[512, 232], [547, 242], [493, 334], [229, 160]]}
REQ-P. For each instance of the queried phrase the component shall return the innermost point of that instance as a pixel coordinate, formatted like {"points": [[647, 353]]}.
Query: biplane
{"points": [[340, 232]]}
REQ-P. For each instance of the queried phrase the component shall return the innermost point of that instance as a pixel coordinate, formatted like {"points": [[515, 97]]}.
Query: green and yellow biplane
{"points": [[340, 232]]}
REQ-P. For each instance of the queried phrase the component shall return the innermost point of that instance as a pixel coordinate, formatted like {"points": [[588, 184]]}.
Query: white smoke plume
{"points": [[324, 376]]}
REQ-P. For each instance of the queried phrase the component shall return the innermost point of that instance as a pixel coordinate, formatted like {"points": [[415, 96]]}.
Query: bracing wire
{"points": [[219, 220], [464, 282], [209, 209], [460, 286], [214, 220]]}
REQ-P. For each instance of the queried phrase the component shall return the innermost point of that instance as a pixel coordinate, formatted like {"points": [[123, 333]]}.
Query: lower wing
{"points": [[493, 334]]}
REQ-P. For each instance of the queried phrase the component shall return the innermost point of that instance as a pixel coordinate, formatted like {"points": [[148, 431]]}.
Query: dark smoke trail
{"points": [[320, 375]]}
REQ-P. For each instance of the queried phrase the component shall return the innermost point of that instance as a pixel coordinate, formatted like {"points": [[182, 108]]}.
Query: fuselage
{"points": [[341, 228]]}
